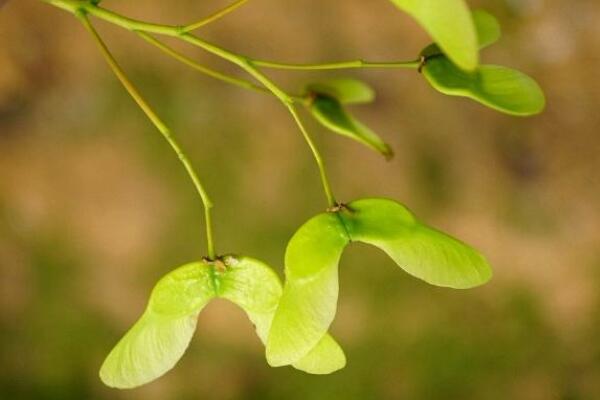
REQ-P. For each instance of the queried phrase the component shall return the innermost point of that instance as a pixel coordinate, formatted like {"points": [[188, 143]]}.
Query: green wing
{"points": [[345, 90], [332, 115], [450, 25], [254, 287], [503, 89], [487, 28], [309, 301], [160, 337], [421, 251]]}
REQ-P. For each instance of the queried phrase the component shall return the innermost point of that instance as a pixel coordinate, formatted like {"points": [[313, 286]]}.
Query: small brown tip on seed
{"points": [[422, 63], [220, 263], [310, 98], [338, 207], [388, 153]]}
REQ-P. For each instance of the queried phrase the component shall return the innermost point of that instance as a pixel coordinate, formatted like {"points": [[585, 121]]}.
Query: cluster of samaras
{"points": [[292, 320]]}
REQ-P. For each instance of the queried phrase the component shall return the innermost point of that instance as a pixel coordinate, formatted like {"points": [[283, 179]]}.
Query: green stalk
{"points": [[319, 160], [159, 124], [244, 84], [217, 15], [198, 67], [353, 64]]}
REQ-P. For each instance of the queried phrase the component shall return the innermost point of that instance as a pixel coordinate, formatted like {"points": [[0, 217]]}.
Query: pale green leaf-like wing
{"points": [[325, 358], [255, 287], [345, 90], [160, 337], [487, 27], [500, 88], [421, 251], [305, 312], [309, 301], [331, 114], [450, 25]]}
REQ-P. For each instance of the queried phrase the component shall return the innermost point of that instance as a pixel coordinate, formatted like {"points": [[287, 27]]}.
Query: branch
{"points": [[214, 17]]}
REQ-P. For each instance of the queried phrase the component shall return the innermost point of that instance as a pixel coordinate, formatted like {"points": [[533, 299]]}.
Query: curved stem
{"points": [[76, 6], [244, 84], [160, 125], [353, 64], [317, 155], [198, 67], [217, 15]]}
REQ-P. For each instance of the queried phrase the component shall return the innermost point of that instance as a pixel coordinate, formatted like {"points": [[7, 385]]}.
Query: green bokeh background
{"points": [[94, 208]]}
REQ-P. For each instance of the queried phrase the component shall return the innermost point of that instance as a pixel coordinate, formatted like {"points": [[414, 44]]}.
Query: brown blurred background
{"points": [[94, 208]]}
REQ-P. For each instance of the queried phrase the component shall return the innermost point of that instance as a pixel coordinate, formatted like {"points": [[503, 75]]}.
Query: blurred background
{"points": [[94, 207]]}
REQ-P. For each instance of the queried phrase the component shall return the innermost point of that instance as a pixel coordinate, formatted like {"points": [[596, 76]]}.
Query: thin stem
{"points": [[353, 64], [75, 6], [198, 67], [317, 155], [160, 125], [175, 31], [217, 15]]}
